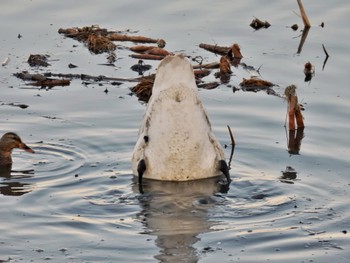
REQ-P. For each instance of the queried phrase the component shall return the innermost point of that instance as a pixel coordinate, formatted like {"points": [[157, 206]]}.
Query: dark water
{"points": [[75, 200]]}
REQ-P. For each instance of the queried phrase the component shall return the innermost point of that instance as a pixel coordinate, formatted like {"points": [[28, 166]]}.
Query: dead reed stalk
{"points": [[303, 14]]}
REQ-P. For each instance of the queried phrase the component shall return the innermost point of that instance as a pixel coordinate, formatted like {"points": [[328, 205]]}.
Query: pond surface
{"points": [[75, 199]]}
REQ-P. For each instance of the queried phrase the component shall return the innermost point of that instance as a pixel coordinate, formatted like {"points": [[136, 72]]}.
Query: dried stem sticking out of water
{"points": [[303, 14]]}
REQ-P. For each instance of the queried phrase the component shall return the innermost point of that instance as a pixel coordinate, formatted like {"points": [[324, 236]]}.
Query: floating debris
{"points": [[210, 85], [215, 49], [149, 52], [212, 65], [233, 51], [5, 62], [294, 27], [258, 24], [41, 80], [137, 39], [100, 40], [147, 56], [225, 68], [143, 89], [99, 44], [256, 83], [70, 65], [140, 48], [20, 105], [309, 71], [38, 60], [201, 73]]}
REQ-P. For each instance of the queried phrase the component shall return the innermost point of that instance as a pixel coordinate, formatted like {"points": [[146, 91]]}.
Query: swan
{"points": [[175, 141], [8, 142]]}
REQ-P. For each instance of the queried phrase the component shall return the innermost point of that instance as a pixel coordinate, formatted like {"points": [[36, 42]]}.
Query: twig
{"points": [[233, 144], [303, 14]]}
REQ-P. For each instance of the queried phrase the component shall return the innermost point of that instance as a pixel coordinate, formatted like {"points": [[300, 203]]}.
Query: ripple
{"points": [[51, 165], [58, 159]]}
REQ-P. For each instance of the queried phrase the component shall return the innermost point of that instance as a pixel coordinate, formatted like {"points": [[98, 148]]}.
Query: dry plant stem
{"points": [[294, 113], [212, 65], [138, 39], [303, 14], [215, 49], [147, 56], [140, 48], [225, 67]]}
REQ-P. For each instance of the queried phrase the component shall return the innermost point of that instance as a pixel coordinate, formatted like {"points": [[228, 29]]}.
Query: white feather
{"points": [[180, 145]]}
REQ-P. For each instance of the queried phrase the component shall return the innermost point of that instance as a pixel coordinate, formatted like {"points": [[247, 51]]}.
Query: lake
{"points": [[76, 200]]}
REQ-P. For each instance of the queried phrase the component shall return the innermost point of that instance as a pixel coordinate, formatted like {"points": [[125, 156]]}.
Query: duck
{"points": [[8, 142], [175, 140]]}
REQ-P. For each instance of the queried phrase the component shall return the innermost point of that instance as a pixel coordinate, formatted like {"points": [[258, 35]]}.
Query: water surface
{"points": [[76, 200]]}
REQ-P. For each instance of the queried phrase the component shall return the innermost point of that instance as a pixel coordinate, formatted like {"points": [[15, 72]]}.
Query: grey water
{"points": [[76, 200]]}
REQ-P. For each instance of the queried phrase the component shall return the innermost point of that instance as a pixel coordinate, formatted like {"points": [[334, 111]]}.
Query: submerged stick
{"points": [[303, 14]]}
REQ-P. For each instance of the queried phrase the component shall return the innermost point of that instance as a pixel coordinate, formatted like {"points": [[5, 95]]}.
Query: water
{"points": [[75, 199]]}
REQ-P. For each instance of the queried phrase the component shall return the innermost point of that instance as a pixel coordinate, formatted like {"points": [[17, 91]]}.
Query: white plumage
{"points": [[175, 140]]}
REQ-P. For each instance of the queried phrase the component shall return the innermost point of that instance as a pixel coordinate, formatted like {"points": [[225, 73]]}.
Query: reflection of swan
{"points": [[176, 213], [8, 142], [175, 140]]}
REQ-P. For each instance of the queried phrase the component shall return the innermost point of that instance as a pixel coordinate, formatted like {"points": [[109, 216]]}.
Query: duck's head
{"points": [[10, 141]]}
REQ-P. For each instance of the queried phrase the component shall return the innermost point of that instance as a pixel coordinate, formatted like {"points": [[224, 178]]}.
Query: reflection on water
{"points": [[294, 140], [81, 188], [303, 39], [57, 159], [13, 184], [288, 175], [176, 213]]}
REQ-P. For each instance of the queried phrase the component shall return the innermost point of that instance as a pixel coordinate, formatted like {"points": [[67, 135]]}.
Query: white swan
{"points": [[175, 140]]}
